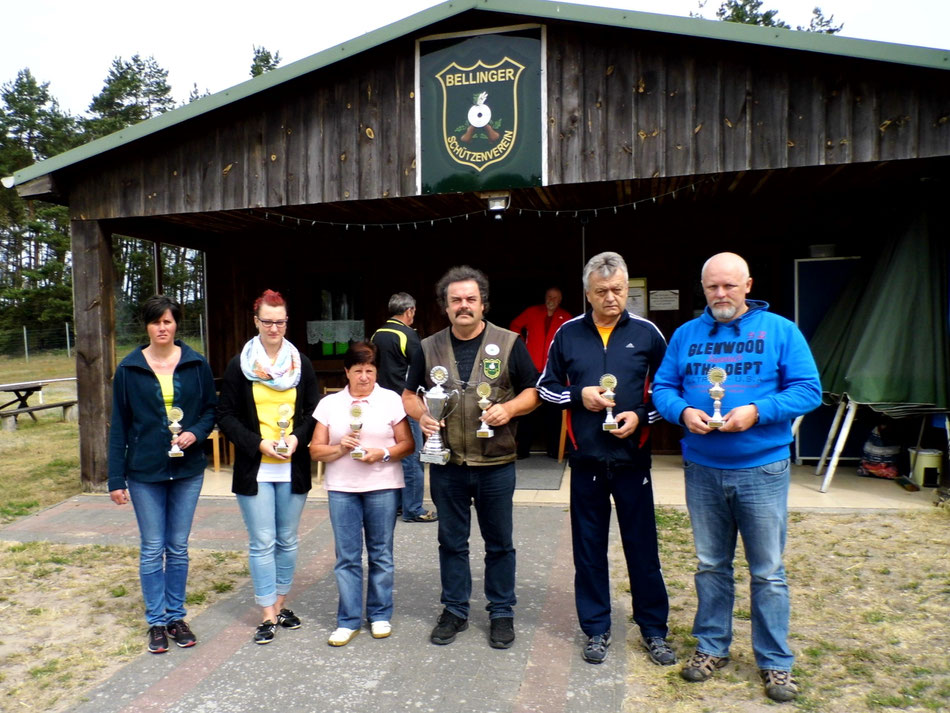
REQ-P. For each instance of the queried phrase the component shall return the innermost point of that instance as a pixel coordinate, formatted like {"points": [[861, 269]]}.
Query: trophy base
{"points": [[357, 455], [487, 433], [715, 423], [610, 426], [282, 451], [438, 458], [175, 454]]}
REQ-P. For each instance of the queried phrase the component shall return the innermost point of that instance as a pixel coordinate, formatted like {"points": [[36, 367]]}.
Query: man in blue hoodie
{"points": [[737, 473], [611, 462]]}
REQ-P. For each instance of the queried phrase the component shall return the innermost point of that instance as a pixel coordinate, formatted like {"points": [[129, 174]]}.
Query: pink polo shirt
{"points": [[382, 410]]}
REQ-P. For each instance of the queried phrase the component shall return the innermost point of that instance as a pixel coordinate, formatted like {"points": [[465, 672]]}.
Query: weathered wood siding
{"points": [[622, 105], [342, 133], [639, 105]]}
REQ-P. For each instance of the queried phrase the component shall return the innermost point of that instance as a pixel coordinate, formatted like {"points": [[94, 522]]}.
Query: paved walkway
{"points": [[542, 672]]}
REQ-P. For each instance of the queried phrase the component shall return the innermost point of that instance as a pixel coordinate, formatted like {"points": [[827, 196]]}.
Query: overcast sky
{"points": [[209, 42]]}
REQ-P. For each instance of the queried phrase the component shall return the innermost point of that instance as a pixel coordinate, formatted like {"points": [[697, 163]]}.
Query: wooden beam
{"points": [[94, 305], [42, 188]]}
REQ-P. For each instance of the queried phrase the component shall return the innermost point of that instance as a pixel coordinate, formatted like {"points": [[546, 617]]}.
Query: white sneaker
{"points": [[342, 636], [381, 629]]}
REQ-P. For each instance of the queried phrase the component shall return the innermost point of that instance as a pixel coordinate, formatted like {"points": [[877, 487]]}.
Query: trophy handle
{"points": [[458, 402]]}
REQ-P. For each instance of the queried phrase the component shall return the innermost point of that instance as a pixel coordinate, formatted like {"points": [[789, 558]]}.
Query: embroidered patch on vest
{"points": [[491, 367]]}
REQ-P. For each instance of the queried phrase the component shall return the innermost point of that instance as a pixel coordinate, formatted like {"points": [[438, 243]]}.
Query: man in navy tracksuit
{"points": [[605, 463]]}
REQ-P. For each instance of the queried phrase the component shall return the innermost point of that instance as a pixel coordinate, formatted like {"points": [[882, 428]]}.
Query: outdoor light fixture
{"points": [[498, 202]]}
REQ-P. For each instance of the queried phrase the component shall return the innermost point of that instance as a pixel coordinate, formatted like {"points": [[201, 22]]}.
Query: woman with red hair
{"points": [[268, 394]]}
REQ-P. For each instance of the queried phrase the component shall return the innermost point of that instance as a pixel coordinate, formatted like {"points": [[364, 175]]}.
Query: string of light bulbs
{"points": [[587, 213]]}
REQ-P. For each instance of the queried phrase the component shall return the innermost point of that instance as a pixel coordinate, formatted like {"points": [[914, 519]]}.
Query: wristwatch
{"points": [[386, 456]]}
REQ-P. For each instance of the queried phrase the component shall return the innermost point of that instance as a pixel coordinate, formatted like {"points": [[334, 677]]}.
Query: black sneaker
{"points": [[779, 685], [660, 652], [157, 640], [265, 632], [596, 649], [502, 634], [181, 633], [447, 627], [288, 619]]}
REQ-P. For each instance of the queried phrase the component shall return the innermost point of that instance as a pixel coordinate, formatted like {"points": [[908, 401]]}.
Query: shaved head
{"points": [[726, 282], [727, 261]]}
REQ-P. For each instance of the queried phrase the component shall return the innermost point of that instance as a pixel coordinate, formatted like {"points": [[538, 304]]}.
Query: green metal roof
{"points": [[540, 9]]}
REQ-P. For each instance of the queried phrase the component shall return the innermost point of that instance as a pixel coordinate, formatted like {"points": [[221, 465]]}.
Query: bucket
{"points": [[927, 465]]}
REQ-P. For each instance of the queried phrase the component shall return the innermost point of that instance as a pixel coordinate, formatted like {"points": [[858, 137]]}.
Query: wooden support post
{"points": [[94, 305]]}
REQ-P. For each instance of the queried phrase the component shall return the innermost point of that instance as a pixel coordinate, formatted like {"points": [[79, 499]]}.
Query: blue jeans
{"points": [[271, 518], [632, 491], [752, 502], [454, 488], [352, 515], [164, 511], [414, 475]]}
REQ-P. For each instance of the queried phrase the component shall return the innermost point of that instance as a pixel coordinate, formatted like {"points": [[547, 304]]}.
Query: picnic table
{"points": [[21, 392]]}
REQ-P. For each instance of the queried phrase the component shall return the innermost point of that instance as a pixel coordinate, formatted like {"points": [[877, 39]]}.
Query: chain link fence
{"points": [[30, 341]]}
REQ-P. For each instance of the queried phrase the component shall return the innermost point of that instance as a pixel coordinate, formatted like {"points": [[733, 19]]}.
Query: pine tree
{"points": [[134, 91], [35, 279], [263, 61]]}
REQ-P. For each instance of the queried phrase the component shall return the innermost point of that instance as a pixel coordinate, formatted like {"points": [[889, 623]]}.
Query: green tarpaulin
{"points": [[885, 343]]}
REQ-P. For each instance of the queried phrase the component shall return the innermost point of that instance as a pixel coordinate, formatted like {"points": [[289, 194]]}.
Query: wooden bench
{"points": [[70, 412]]}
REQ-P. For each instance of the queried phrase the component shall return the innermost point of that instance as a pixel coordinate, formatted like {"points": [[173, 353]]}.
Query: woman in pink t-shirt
{"points": [[361, 434]]}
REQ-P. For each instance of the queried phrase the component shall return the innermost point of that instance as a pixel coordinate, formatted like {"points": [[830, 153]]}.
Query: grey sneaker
{"points": [[660, 652], [779, 685], [596, 649], [702, 666]]}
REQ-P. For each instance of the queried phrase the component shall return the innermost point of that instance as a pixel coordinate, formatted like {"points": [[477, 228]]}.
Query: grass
{"points": [[869, 594], [49, 655]]}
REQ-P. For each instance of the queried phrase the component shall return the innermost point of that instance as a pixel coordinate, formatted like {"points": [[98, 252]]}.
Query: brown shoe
{"points": [[702, 666], [779, 685], [424, 516]]}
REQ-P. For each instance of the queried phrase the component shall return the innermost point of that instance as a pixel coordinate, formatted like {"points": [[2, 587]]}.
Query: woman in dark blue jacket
{"points": [[163, 403]]}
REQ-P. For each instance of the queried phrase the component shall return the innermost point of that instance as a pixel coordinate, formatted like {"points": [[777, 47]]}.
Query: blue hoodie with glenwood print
{"points": [[767, 363]]}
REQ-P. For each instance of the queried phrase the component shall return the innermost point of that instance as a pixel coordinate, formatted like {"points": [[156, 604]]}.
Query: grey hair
{"points": [[400, 302], [604, 264]]}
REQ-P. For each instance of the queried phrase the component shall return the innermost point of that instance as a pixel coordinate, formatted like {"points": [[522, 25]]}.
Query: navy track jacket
{"points": [[577, 358]]}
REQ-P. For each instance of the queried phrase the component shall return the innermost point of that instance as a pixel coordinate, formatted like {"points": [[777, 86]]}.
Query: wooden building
{"points": [[666, 139]]}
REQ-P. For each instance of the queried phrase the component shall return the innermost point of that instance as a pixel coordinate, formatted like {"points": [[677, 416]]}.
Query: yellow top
{"points": [[268, 401], [167, 382], [604, 333]]}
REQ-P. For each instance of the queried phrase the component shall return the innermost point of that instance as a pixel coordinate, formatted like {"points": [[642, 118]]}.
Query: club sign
{"points": [[480, 121]]}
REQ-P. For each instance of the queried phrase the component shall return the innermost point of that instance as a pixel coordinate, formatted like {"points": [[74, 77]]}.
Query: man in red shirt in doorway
{"points": [[538, 324]]}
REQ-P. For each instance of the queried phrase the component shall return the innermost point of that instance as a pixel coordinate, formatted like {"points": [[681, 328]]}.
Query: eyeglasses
{"points": [[268, 323]]}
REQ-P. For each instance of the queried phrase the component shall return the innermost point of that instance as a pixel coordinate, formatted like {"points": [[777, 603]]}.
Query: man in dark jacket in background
{"points": [[609, 350], [397, 342]]}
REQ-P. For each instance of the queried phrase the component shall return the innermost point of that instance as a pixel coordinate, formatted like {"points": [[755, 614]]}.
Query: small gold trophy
{"points": [[175, 414], [484, 391], [608, 382], [716, 376], [356, 425], [284, 412]]}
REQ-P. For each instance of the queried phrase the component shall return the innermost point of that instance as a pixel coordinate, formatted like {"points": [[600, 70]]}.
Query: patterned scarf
{"points": [[283, 374]]}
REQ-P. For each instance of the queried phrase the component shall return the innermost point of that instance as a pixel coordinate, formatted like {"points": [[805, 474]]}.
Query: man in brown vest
{"points": [[473, 351]]}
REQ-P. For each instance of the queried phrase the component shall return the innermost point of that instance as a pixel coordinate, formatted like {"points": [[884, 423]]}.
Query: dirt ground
{"points": [[870, 602], [870, 605]]}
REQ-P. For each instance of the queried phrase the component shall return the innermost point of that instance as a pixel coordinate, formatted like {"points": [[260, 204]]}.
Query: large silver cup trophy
{"points": [[436, 401], [716, 376], [608, 382], [356, 425], [175, 415], [484, 401], [284, 412]]}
